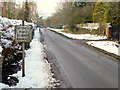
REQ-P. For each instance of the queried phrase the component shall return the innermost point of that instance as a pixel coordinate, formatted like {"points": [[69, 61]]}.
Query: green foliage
{"points": [[8, 14], [80, 4], [115, 13], [102, 28], [47, 22], [72, 27], [101, 12], [107, 12], [26, 12], [10, 9]]}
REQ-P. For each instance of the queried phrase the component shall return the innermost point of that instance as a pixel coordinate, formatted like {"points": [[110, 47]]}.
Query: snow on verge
{"points": [[1, 49], [109, 46], [37, 70], [80, 36], [83, 36], [3, 86], [90, 28]]}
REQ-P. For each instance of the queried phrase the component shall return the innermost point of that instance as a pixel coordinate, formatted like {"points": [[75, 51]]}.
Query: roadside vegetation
{"points": [[21, 11], [70, 14], [11, 51]]}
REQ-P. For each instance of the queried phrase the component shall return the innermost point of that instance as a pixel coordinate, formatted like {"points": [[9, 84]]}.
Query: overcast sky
{"points": [[46, 7]]}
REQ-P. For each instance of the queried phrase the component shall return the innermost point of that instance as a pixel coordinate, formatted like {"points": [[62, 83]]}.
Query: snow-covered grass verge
{"points": [[109, 46], [37, 70], [79, 36], [83, 36]]}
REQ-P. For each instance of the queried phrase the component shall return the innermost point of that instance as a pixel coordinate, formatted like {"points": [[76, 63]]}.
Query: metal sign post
{"points": [[23, 34]]}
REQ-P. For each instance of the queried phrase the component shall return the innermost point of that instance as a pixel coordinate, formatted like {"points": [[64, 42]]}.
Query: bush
{"points": [[102, 28], [73, 28]]}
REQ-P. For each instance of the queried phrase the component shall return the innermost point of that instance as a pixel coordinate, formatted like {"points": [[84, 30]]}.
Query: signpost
{"points": [[23, 34]]}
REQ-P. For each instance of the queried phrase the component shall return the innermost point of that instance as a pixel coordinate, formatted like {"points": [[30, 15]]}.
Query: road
{"points": [[83, 67]]}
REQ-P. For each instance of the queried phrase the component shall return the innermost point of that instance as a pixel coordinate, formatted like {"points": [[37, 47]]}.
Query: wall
{"points": [[90, 25]]}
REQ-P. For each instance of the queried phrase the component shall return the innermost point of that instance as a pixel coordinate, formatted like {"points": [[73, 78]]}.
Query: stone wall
{"points": [[91, 25]]}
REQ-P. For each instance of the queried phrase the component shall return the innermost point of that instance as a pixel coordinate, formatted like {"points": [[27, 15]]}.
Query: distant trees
{"points": [[26, 11], [115, 13], [47, 22], [72, 13], [7, 9], [107, 12], [100, 13]]}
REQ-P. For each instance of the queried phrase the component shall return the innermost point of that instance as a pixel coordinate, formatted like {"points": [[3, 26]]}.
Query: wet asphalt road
{"points": [[83, 67]]}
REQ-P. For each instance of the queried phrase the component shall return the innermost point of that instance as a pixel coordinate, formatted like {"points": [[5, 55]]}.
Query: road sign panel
{"points": [[23, 33]]}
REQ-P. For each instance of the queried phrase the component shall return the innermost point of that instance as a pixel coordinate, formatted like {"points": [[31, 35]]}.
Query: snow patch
{"points": [[80, 36], [90, 28], [3, 86], [7, 43], [1, 49], [84, 36], [109, 46], [37, 70]]}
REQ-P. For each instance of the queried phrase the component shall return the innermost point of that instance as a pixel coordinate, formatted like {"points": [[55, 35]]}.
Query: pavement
{"points": [[83, 67]]}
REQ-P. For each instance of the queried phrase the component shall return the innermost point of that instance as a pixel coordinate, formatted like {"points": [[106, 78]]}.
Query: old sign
{"points": [[23, 33]]}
